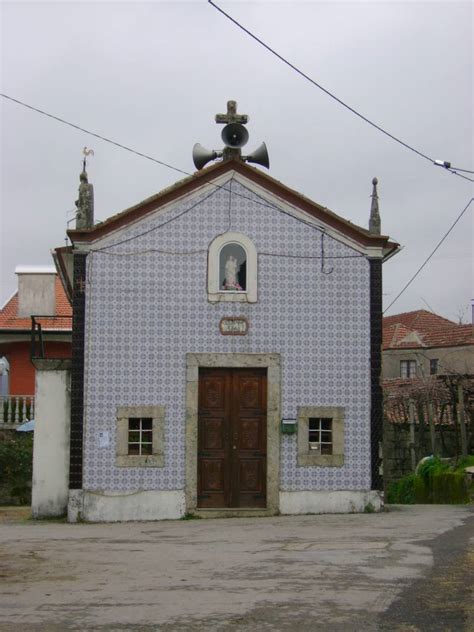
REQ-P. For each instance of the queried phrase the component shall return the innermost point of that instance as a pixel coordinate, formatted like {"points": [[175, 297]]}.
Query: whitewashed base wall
{"points": [[112, 506], [330, 502], [93, 506]]}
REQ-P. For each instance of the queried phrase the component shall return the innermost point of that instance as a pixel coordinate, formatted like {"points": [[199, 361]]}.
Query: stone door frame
{"points": [[270, 361]]}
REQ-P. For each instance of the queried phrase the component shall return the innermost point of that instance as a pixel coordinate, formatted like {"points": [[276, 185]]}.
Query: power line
{"points": [[429, 256], [266, 204], [330, 94], [458, 169], [153, 228], [218, 186], [86, 131]]}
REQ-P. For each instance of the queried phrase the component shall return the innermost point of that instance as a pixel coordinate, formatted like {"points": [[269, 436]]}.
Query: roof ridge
{"points": [[207, 177]]}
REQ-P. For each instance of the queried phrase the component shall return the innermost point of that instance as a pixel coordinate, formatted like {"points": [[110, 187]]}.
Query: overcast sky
{"points": [[152, 75]]}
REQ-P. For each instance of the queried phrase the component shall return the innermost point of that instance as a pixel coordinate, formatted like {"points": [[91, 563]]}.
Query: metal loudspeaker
{"points": [[234, 135], [259, 156], [201, 155]]}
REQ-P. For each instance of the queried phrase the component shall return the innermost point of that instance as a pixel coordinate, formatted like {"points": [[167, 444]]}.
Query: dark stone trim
{"points": [[77, 372], [376, 410]]}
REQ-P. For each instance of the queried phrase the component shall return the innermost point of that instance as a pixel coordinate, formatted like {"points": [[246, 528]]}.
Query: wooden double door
{"points": [[232, 438]]}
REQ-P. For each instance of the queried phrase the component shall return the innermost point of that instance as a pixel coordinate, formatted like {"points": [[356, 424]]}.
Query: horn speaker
{"points": [[259, 156], [235, 135], [201, 155]]}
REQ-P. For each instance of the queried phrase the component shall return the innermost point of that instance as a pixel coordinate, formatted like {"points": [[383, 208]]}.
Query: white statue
{"points": [[231, 271]]}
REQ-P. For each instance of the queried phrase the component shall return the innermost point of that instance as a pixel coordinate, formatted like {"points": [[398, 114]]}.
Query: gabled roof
{"points": [[422, 329], [200, 178], [62, 320]]}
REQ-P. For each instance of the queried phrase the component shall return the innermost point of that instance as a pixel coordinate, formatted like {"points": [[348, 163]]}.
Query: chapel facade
{"points": [[226, 353]]}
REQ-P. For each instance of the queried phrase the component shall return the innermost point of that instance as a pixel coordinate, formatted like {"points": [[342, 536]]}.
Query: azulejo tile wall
{"points": [[146, 309]]}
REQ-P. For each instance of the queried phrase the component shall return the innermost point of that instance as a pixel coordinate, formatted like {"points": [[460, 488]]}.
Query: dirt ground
{"points": [[408, 569], [9, 515]]}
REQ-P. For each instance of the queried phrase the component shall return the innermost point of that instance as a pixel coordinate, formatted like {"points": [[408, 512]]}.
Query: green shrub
{"points": [[16, 466], [449, 488], [432, 465], [465, 461], [402, 492], [421, 490], [436, 482]]}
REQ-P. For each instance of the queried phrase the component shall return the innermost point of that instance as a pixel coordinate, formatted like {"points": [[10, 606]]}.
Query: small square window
{"points": [[321, 436], [433, 366], [140, 436]]}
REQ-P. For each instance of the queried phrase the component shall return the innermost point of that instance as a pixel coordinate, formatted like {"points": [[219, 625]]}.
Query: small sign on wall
{"points": [[104, 439], [234, 326]]}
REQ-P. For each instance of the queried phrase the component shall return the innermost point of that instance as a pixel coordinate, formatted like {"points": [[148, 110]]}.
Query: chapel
{"points": [[226, 351]]}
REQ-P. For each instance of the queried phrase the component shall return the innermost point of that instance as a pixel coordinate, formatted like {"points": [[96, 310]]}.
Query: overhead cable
{"points": [[147, 157], [429, 256], [330, 94]]}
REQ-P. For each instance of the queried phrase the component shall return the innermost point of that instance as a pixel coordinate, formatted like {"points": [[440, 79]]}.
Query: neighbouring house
{"points": [[420, 343], [40, 295], [428, 371], [216, 368]]}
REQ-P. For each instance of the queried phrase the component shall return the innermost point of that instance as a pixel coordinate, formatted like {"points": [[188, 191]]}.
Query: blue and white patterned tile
{"points": [[145, 311]]}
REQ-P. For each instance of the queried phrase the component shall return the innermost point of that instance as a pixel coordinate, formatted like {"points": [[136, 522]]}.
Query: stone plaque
{"points": [[234, 326]]}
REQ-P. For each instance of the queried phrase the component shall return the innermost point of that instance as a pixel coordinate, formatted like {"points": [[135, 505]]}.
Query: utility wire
{"points": [[160, 162], [86, 131], [429, 256], [458, 169], [253, 199], [330, 94]]}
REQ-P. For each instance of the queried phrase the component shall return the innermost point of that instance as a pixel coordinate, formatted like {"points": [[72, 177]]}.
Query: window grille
{"points": [[140, 436], [320, 435]]}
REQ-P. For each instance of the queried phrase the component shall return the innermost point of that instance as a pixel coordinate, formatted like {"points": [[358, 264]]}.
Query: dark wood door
{"points": [[232, 438]]}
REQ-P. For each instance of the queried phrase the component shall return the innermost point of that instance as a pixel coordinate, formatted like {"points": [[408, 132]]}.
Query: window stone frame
{"points": [[305, 456], [157, 457], [214, 293]]}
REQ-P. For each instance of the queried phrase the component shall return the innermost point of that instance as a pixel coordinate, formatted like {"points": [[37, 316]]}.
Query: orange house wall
{"points": [[22, 372]]}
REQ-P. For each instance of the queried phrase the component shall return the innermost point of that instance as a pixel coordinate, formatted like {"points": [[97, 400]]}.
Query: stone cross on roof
{"points": [[232, 116]]}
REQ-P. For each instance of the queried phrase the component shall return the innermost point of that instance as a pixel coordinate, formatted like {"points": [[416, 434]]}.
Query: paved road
{"points": [[404, 570]]}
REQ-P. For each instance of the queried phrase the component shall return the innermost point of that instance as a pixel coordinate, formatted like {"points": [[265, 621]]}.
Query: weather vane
{"points": [[86, 152]]}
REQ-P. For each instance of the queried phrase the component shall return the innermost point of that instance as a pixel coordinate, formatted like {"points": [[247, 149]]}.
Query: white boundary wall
{"points": [[51, 443]]}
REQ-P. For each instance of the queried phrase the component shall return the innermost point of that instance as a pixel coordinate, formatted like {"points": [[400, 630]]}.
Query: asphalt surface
{"points": [[408, 569]]}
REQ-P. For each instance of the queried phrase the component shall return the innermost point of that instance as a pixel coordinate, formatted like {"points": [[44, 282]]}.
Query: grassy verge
{"points": [[435, 482]]}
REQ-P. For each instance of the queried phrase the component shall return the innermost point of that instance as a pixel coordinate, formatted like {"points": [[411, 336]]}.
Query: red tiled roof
{"points": [[421, 329], [62, 320]]}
